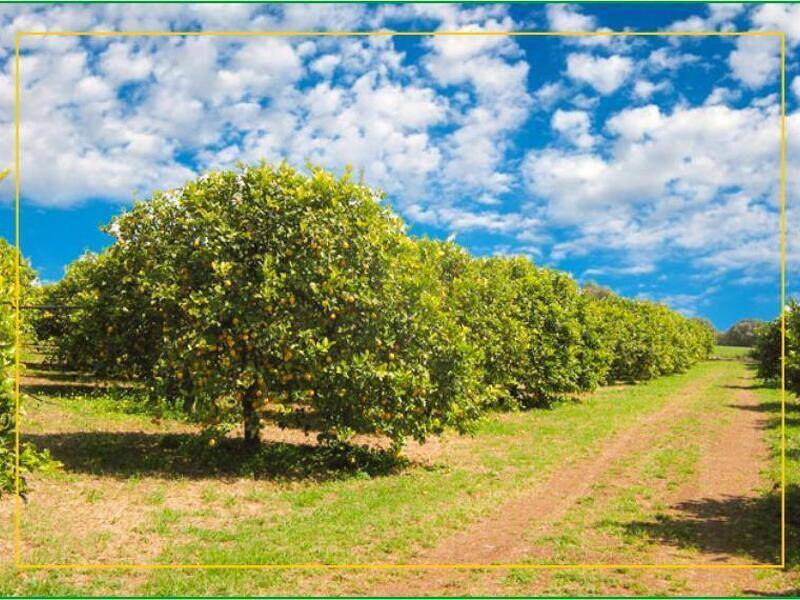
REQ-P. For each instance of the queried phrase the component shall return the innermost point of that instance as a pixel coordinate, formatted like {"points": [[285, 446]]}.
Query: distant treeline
{"points": [[741, 333]]}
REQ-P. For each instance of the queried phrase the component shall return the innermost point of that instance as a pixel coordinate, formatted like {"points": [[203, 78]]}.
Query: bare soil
{"points": [[715, 506]]}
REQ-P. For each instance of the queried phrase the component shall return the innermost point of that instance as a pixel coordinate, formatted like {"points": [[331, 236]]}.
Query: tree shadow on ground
{"points": [[737, 528], [792, 418], [44, 366], [67, 389], [66, 384], [754, 386], [769, 407], [126, 455]]}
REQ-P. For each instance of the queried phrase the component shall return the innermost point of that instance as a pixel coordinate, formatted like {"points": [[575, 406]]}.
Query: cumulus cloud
{"points": [[691, 153], [461, 220], [696, 179], [563, 17], [779, 17], [574, 126], [495, 73], [549, 94], [717, 17], [755, 61], [109, 118], [605, 75], [668, 59], [122, 63], [445, 128], [644, 89], [723, 95]]}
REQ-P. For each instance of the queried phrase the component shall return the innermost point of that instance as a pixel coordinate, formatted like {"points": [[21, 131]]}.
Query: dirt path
{"points": [[717, 508], [711, 505]]}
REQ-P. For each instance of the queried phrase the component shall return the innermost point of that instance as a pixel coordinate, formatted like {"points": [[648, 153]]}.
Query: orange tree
{"points": [[263, 289], [648, 339], [30, 458], [767, 349], [267, 289], [538, 338]]}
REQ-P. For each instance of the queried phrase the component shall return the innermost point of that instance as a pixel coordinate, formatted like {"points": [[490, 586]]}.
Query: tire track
{"points": [[498, 538]]}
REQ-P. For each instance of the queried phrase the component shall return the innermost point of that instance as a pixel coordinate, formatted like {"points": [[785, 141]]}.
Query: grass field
{"points": [[731, 352], [679, 470]]}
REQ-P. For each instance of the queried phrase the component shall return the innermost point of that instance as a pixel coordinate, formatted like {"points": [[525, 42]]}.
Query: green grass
{"points": [[357, 521], [771, 403], [625, 511], [362, 514], [740, 352]]}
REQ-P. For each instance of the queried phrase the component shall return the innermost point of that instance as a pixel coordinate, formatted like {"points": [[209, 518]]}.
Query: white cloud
{"points": [[90, 105], [668, 182], [723, 13], [644, 88], [755, 61], [325, 65], [122, 63], [377, 126], [564, 17], [574, 126], [666, 59], [638, 269], [461, 220], [549, 94], [718, 17], [584, 101], [605, 75], [779, 17], [723, 95], [494, 73], [636, 124]]}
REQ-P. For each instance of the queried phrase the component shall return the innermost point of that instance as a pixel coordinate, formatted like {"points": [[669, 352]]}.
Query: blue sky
{"points": [[649, 165]]}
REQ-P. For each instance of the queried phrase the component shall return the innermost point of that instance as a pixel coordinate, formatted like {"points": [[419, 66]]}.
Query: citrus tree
{"points": [[649, 339], [535, 334], [266, 288], [767, 349], [30, 458]]}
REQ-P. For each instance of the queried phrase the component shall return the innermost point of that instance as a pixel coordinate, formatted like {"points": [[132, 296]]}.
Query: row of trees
{"points": [[767, 349], [266, 288], [30, 457]]}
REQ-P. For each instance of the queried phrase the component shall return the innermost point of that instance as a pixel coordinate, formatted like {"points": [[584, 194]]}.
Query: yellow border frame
{"points": [[403, 566]]}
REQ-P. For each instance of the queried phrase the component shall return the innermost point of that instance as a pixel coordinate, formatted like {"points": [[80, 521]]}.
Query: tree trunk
{"points": [[252, 422]]}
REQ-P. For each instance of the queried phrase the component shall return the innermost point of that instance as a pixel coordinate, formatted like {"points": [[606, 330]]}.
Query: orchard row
{"points": [[269, 289], [767, 351]]}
